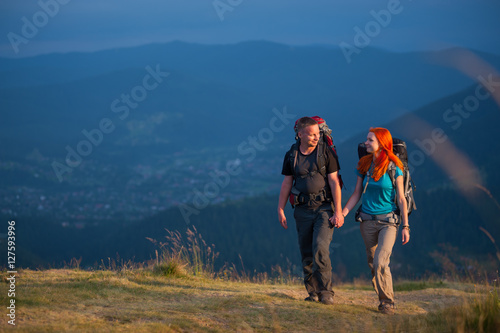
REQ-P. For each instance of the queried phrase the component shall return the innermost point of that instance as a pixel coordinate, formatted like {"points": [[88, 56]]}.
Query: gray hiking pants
{"points": [[315, 235], [379, 239]]}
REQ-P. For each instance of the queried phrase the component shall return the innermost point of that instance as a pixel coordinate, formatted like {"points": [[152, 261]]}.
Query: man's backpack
{"points": [[399, 149], [325, 142]]}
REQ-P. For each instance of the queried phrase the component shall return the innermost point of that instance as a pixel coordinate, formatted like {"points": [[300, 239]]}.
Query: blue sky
{"points": [[90, 25]]}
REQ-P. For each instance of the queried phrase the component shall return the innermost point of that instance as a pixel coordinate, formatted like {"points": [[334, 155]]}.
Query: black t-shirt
{"points": [[308, 181]]}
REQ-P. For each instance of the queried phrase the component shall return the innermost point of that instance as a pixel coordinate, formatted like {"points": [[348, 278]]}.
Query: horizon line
{"points": [[309, 45]]}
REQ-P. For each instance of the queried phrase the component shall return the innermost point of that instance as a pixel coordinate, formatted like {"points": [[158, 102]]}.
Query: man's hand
{"points": [[282, 218], [337, 220], [286, 187]]}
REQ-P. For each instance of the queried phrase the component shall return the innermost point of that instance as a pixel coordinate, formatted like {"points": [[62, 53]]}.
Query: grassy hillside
{"points": [[140, 300]]}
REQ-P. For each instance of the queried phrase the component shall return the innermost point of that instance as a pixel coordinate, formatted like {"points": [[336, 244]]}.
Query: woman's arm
{"points": [[403, 209], [354, 199]]}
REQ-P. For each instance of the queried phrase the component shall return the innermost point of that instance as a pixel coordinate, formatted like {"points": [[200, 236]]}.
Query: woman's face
{"points": [[371, 143]]}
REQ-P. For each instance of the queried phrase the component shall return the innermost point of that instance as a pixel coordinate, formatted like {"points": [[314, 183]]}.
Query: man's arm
{"points": [[333, 180], [286, 187]]}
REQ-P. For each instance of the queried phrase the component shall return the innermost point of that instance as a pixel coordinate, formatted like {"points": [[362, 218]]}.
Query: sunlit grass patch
{"points": [[418, 285], [480, 313], [142, 300], [179, 256], [172, 267]]}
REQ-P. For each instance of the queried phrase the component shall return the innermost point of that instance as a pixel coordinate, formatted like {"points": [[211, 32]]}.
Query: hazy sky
{"points": [[29, 27]]}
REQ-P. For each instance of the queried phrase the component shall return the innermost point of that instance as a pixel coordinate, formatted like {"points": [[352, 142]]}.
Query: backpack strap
{"points": [[391, 170], [367, 180], [296, 197], [321, 158], [292, 157]]}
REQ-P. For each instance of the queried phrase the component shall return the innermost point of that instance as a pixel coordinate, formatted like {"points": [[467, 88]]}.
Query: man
{"points": [[315, 216]]}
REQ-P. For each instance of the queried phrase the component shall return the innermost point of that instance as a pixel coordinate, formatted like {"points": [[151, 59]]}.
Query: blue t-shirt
{"points": [[379, 195]]}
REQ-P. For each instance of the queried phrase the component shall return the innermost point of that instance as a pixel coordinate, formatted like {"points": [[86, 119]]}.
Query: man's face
{"points": [[309, 136]]}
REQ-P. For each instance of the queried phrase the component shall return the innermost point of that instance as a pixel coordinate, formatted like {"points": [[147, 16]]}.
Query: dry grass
{"points": [[141, 301], [180, 255]]}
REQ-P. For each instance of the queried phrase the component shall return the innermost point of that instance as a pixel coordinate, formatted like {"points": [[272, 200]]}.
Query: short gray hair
{"points": [[305, 122]]}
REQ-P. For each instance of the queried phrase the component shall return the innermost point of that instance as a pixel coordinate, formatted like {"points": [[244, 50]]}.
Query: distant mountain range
{"points": [[214, 94]]}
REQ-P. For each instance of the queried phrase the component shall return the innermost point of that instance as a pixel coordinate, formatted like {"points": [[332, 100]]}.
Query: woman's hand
{"points": [[405, 233], [337, 220]]}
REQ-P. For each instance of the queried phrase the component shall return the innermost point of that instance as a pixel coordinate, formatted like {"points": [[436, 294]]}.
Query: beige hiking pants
{"points": [[379, 239]]}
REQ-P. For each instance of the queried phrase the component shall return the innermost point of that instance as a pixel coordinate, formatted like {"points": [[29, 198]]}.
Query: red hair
{"points": [[386, 155]]}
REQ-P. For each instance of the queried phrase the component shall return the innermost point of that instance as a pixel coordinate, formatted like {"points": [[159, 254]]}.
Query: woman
{"points": [[379, 221]]}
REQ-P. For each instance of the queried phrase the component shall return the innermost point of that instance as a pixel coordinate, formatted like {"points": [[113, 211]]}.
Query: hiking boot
{"points": [[387, 308], [312, 298], [327, 299]]}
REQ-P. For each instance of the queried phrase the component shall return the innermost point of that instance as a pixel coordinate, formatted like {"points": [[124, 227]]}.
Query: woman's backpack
{"points": [[399, 149]]}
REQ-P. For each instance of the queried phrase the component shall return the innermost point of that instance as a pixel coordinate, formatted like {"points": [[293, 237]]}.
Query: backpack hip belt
{"points": [[390, 217], [300, 198]]}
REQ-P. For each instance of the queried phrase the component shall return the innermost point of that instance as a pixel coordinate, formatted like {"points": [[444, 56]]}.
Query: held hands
{"points": [[337, 220]]}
